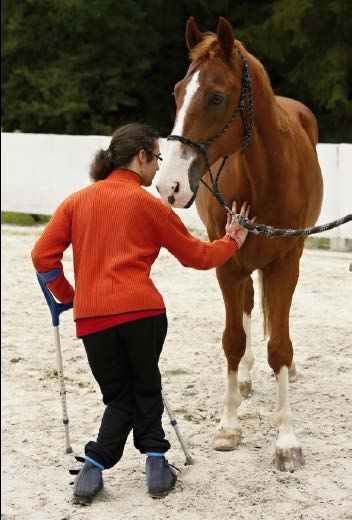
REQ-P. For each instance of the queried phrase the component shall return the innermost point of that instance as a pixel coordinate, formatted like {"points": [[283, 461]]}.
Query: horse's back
{"points": [[303, 115]]}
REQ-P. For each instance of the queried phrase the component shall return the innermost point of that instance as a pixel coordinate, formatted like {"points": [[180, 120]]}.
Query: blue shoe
{"points": [[161, 477], [88, 483]]}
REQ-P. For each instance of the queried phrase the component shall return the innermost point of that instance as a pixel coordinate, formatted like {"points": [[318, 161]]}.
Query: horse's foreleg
{"points": [[247, 361], [228, 435], [279, 282], [288, 451]]}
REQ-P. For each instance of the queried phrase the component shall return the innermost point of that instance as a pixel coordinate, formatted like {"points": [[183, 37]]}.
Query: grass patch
{"points": [[317, 243], [27, 219], [23, 219], [310, 242]]}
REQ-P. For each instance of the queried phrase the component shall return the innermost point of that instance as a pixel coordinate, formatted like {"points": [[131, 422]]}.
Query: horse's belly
{"points": [[258, 252]]}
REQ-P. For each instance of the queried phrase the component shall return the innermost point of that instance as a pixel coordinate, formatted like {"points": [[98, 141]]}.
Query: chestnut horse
{"points": [[277, 173]]}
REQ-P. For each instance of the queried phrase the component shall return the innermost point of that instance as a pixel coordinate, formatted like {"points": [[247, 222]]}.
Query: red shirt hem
{"points": [[85, 326]]}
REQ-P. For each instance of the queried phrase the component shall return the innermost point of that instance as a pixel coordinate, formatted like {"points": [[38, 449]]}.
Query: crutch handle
{"points": [[55, 308]]}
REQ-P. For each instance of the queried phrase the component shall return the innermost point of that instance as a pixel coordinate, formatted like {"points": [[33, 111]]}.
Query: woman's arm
{"points": [[48, 251], [195, 253]]}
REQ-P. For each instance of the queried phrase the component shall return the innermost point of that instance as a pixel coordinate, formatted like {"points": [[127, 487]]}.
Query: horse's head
{"points": [[206, 99]]}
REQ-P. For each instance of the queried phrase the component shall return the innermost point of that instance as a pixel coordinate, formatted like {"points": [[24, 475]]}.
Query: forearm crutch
{"points": [[173, 421], [56, 309]]}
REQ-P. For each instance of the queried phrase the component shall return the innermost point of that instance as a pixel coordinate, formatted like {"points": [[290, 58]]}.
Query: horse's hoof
{"points": [[245, 389], [227, 439], [289, 459]]}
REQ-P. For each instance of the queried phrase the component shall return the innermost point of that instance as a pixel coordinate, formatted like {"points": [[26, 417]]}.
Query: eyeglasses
{"points": [[158, 156]]}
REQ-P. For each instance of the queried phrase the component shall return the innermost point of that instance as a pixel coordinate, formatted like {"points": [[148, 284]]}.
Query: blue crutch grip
{"points": [[55, 308]]}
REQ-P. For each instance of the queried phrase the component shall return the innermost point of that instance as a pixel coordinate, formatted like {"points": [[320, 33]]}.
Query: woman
{"points": [[116, 229]]}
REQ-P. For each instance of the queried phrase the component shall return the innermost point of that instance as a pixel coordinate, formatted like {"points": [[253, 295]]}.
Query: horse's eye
{"points": [[216, 99]]}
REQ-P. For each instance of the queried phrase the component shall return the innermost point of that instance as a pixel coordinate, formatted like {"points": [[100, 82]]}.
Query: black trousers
{"points": [[124, 361]]}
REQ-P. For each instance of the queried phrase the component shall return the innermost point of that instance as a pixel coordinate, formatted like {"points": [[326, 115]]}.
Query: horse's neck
{"points": [[264, 158]]}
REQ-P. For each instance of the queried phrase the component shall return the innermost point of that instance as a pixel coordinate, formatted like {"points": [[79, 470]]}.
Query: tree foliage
{"points": [[78, 67]]}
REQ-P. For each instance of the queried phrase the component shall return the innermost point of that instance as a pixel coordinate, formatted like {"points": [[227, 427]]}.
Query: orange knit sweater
{"points": [[117, 229]]}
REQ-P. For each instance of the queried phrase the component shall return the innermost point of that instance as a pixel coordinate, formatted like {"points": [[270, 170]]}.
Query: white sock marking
{"points": [[232, 401], [284, 418]]}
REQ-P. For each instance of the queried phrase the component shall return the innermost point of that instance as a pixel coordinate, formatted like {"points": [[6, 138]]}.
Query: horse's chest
{"points": [[258, 252]]}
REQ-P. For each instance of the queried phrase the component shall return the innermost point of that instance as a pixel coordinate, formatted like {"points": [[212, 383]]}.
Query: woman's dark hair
{"points": [[126, 142]]}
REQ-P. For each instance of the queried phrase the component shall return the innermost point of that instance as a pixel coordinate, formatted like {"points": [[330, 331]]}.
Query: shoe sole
{"points": [[160, 494], [82, 500]]}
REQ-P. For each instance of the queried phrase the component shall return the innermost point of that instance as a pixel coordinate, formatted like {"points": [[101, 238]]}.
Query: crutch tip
{"points": [[69, 450], [189, 461]]}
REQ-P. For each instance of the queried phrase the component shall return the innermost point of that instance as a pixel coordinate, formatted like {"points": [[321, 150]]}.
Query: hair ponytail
{"points": [[126, 142], [102, 165]]}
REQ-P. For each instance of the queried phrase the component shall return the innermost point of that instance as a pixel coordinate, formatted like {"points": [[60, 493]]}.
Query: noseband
{"points": [[201, 147]]}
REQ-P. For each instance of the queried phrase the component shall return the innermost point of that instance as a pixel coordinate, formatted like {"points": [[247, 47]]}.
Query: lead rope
{"points": [[245, 222], [268, 231]]}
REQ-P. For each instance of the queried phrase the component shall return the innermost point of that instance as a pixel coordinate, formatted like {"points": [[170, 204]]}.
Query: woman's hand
{"points": [[233, 229]]}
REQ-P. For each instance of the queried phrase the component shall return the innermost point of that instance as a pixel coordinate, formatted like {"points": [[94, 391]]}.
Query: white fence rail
{"points": [[39, 170]]}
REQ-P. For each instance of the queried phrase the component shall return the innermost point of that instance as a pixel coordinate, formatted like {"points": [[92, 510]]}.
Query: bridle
{"points": [[201, 147], [255, 228]]}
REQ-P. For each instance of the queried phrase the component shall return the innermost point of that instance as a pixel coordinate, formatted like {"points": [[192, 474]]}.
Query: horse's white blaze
{"points": [[284, 418], [232, 401], [247, 360], [191, 89], [176, 162]]}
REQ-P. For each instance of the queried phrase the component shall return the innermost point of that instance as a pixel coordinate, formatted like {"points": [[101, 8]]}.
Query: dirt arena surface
{"points": [[240, 485]]}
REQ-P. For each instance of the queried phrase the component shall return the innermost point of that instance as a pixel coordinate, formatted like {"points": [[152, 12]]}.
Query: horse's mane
{"points": [[201, 50], [209, 45]]}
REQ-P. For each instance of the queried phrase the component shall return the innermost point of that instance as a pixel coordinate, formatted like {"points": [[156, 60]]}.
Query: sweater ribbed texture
{"points": [[117, 229]]}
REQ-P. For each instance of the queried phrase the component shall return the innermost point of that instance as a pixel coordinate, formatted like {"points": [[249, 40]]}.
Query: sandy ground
{"points": [[242, 484]]}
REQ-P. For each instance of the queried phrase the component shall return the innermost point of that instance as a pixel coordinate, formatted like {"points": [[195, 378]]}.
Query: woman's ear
{"points": [[142, 156]]}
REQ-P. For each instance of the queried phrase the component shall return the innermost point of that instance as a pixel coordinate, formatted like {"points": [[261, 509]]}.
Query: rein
{"points": [[245, 222]]}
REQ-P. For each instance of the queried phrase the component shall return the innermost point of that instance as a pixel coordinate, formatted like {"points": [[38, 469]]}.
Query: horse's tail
{"points": [[265, 304]]}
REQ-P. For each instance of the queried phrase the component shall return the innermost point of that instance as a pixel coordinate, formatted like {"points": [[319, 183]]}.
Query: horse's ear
{"points": [[193, 34], [225, 36]]}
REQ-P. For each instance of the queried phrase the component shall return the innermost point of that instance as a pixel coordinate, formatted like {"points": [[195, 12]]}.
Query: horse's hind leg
{"points": [[279, 282], [292, 374], [246, 363]]}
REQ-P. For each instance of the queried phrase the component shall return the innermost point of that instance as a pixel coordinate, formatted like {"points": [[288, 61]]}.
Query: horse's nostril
{"points": [[157, 188], [177, 187], [171, 200]]}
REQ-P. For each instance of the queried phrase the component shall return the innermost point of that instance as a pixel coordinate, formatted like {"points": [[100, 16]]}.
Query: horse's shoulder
{"points": [[301, 113]]}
